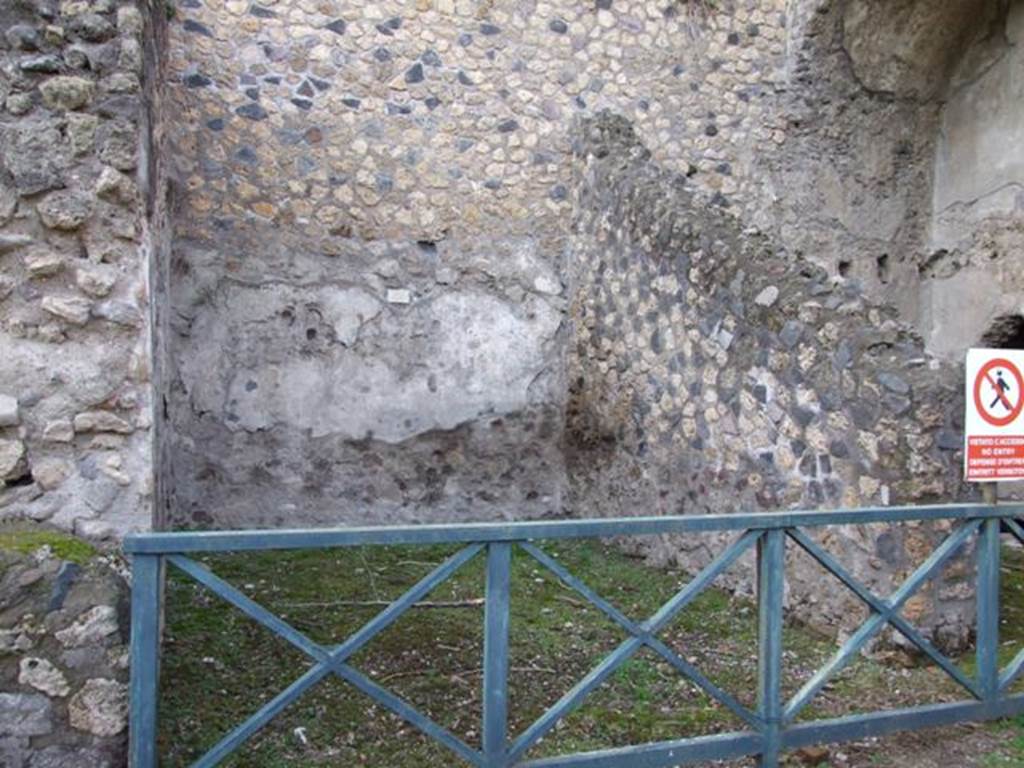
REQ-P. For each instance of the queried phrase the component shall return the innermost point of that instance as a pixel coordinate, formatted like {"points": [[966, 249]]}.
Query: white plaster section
{"points": [[979, 169], [978, 195], [958, 310], [349, 309], [440, 363]]}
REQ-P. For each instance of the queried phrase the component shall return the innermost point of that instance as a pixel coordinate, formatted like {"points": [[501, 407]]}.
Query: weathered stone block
{"points": [[59, 431], [91, 27], [25, 714], [115, 186], [81, 132], [129, 20], [767, 297], [73, 309], [42, 675], [101, 421], [12, 459], [66, 211], [96, 280], [100, 708], [8, 203], [6, 286], [67, 93], [12, 242], [9, 416], [42, 262], [50, 473], [14, 751], [23, 37], [47, 63], [94, 626], [119, 146], [120, 312]]}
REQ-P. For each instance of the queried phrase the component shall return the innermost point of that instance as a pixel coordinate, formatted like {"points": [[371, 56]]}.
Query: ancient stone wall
{"points": [[366, 289], [714, 372], [355, 220], [74, 340], [63, 653]]}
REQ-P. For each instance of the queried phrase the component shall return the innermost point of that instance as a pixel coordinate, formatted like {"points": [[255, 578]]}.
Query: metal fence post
{"points": [[988, 609], [145, 660], [496, 661], [771, 578]]}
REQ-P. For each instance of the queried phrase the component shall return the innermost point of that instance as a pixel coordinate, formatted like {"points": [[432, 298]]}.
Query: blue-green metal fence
{"points": [[771, 724]]}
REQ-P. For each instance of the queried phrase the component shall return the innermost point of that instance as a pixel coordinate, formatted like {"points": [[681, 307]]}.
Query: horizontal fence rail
{"points": [[771, 727]]}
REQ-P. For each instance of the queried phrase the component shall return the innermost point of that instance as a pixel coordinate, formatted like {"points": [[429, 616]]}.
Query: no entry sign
{"points": [[994, 427]]}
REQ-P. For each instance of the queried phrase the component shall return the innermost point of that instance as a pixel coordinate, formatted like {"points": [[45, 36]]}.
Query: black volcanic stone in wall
{"points": [[252, 111], [191, 25], [197, 81], [414, 74]]}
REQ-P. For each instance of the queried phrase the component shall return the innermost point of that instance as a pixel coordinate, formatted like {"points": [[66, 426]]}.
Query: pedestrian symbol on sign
{"points": [[1001, 387], [997, 392]]}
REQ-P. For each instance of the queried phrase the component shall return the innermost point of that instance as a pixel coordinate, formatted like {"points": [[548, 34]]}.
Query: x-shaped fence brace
{"points": [[331, 660], [771, 716]]}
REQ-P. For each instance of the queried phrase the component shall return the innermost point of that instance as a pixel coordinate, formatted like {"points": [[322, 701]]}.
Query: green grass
{"points": [[63, 545], [1013, 754], [1012, 638], [218, 666]]}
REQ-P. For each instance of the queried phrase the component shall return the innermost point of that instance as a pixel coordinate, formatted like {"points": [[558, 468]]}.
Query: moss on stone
{"points": [[63, 545]]}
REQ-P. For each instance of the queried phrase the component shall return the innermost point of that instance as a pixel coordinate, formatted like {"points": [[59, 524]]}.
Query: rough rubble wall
{"points": [[977, 234], [853, 179], [74, 344], [862, 110], [713, 372], [63, 659], [366, 297], [364, 303]]}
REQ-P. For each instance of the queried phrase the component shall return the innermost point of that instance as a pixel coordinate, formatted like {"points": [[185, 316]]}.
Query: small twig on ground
{"points": [[369, 573], [571, 601], [459, 673], [474, 603], [417, 562]]}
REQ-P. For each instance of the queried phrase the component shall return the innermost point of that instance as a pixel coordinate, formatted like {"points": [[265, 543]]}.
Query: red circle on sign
{"points": [[983, 375]]}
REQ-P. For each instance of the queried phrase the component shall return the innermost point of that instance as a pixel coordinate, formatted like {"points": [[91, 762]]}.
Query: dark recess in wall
{"points": [[1006, 332]]}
